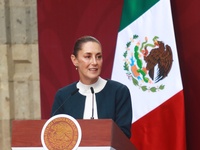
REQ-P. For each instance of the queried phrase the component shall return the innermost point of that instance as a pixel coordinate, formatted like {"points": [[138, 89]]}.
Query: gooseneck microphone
{"points": [[74, 92], [92, 91]]}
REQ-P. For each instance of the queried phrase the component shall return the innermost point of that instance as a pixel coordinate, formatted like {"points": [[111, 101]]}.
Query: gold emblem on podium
{"points": [[61, 132]]}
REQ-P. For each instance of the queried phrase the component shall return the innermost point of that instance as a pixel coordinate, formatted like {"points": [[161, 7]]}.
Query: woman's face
{"points": [[89, 62]]}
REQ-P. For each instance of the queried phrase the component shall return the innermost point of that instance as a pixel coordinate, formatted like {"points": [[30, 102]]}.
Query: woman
{"points": [[96, 97]]}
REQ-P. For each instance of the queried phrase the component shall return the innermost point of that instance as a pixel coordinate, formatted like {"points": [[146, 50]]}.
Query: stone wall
{"points": [[19, 65]]}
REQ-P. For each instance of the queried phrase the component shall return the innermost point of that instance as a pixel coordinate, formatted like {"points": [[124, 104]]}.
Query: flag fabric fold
{"points": [[146, 60]]}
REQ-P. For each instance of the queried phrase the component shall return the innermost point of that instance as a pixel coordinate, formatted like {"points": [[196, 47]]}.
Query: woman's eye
{"points": [[99, 57]]}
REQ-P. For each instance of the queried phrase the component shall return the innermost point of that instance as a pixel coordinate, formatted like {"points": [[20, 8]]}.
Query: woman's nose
{"points": [[94, 61]]}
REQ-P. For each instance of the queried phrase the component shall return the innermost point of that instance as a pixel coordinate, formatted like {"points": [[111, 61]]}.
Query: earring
{"points": [[76, 67]]}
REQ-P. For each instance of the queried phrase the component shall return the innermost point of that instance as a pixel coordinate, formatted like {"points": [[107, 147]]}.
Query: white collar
{"points": [[97, 86]]}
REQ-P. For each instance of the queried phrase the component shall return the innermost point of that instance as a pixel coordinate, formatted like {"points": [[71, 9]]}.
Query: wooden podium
{"points": [[95, 133]]}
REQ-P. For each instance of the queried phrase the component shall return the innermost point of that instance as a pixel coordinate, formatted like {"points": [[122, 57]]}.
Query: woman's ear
{"points": [[74, 60]]}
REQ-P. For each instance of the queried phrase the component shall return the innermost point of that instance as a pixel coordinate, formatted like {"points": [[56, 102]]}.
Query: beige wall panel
{"points": [[26, 81], [23, 21], [4, 100], [2, 22], [19, 65]]}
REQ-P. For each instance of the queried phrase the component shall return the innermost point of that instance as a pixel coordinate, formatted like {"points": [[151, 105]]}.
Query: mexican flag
{"points": [[146, 60]]}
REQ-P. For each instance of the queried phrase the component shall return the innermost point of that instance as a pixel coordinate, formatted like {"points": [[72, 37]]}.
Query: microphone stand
{"points": [[92, 90]]}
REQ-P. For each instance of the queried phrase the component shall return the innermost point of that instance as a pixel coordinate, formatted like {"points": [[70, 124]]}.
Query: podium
{"points": [[96, 134]]}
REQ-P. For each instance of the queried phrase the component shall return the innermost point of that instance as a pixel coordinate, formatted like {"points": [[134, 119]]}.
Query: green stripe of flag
{"points": [[133, 9]]}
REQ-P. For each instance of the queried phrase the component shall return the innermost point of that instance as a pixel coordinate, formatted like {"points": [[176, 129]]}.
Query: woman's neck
{"points": [[89, 82]]}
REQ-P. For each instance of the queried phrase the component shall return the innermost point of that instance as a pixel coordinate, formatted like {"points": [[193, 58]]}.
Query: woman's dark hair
{"points": [[82, 40]]}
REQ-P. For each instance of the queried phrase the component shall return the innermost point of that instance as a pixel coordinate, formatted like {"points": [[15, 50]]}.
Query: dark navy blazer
{"points": [[113, 102]]}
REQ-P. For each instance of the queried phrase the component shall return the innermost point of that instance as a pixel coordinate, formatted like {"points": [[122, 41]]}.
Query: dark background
{"points": [[61, 22], [186, 19]]}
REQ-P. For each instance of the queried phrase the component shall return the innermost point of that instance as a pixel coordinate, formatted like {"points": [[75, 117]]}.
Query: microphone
{"points": [[74, 92], [92, 91]]}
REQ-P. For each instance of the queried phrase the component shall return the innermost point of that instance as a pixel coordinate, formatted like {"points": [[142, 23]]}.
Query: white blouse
{"points": [[86, 91]]}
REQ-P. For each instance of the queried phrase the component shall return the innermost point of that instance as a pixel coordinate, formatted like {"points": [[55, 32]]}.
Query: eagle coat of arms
{"points": [[147, 63]]}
